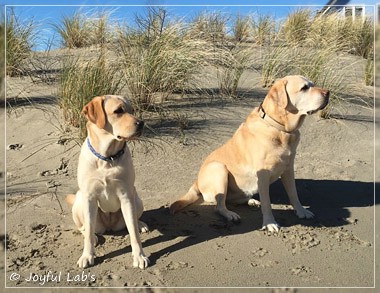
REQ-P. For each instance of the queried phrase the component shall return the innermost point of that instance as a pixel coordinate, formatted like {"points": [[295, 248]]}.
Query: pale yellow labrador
{"points": [[261, 150], [107, 198]]}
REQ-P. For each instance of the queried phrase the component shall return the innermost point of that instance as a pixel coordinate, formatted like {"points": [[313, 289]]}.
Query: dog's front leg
{"points": [[129, 211], [90, 210], [269, 222], [289, 183]]}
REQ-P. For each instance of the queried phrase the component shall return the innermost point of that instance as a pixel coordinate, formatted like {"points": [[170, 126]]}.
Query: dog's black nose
{"points": [[140, 124]]}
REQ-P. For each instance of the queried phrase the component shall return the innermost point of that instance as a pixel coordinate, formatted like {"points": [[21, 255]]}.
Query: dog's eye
{"points": [[305, 87], [119, 110]]}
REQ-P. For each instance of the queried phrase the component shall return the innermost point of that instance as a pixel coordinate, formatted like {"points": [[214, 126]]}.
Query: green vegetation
{"points": [[155, 66], [81, 80], [19, 42], [82, 30], [157, 57]]}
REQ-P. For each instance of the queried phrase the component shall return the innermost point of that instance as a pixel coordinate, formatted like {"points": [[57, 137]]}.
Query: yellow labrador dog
{"points": [[107, 198], [261, 150]]}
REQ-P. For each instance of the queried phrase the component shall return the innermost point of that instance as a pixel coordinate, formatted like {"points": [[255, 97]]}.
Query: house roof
{"points": [[337, 2]]}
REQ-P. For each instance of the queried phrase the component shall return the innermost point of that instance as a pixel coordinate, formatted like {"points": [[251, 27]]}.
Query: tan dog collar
{"points": [[270, 120]]}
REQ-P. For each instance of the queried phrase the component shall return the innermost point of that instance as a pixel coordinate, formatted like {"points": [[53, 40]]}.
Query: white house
{"points": [[352, 8]]}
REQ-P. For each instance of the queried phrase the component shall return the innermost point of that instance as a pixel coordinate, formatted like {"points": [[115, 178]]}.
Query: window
{"points": [[354, 11]]}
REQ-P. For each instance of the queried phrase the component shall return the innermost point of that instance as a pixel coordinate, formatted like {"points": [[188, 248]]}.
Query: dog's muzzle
{"points": [[139, 130], [326, 96]]}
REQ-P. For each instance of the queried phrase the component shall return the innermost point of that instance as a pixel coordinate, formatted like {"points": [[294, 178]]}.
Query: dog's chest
{"points": [[113, 186], [247, 182], [270, 163], [278, 160], [108, 201]]}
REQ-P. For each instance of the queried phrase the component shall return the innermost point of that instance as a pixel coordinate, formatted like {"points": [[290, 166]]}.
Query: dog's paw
{"points": [[140, 261], [254, 203], [143, 228], [303, 213], [271, 227], [85, 260], [230, 216]]}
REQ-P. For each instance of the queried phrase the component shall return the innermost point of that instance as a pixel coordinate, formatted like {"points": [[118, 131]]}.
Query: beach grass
{"points": [[81, 80], [156, 56], [20, 36]]}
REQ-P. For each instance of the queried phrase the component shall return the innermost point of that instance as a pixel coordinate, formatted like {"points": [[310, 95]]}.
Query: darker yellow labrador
{"points": [[261, 150]]}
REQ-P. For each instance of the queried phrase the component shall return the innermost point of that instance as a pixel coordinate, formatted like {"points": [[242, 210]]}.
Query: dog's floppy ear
{"points": [[279, 94], [94, 112]]}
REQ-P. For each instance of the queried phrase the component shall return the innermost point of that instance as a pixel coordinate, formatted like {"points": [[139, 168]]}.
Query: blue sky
{"points": [[52, 11]]}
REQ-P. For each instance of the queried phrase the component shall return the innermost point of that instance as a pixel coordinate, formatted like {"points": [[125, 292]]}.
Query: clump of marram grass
{"points": [[263, 29], [166, 64], [73, 31], [82, 30], [81, 80], [19, 43], [341, 34], [241, 28], [328, 31], [296, 26], [233, 60], [363, 40], [210, 26]]}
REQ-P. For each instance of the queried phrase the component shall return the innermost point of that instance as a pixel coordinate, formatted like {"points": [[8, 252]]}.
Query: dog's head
{"points": [[298, 95], [114, 114]]}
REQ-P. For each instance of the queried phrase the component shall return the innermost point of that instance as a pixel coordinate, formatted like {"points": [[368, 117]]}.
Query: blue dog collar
{"points": [[103, 158]]}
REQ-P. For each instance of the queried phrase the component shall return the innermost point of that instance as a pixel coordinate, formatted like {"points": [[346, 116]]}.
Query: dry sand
{"points": [[196, 248]]}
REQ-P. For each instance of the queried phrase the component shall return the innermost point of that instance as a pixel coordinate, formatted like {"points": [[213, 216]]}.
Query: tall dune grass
{"points": [[263, 29], [341, 34], [167, 64], [82, 30], [297, 26], [363, 42], [19, 43], [158, 56], [209, 26], [241, 29], [81, 80]]}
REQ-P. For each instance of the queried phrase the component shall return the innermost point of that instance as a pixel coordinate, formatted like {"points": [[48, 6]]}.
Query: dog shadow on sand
{"points": [[329, 200]]}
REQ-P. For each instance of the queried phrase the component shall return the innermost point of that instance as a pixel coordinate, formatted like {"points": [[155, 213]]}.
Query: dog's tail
{"points": [[70, 198], [190, 197]]}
